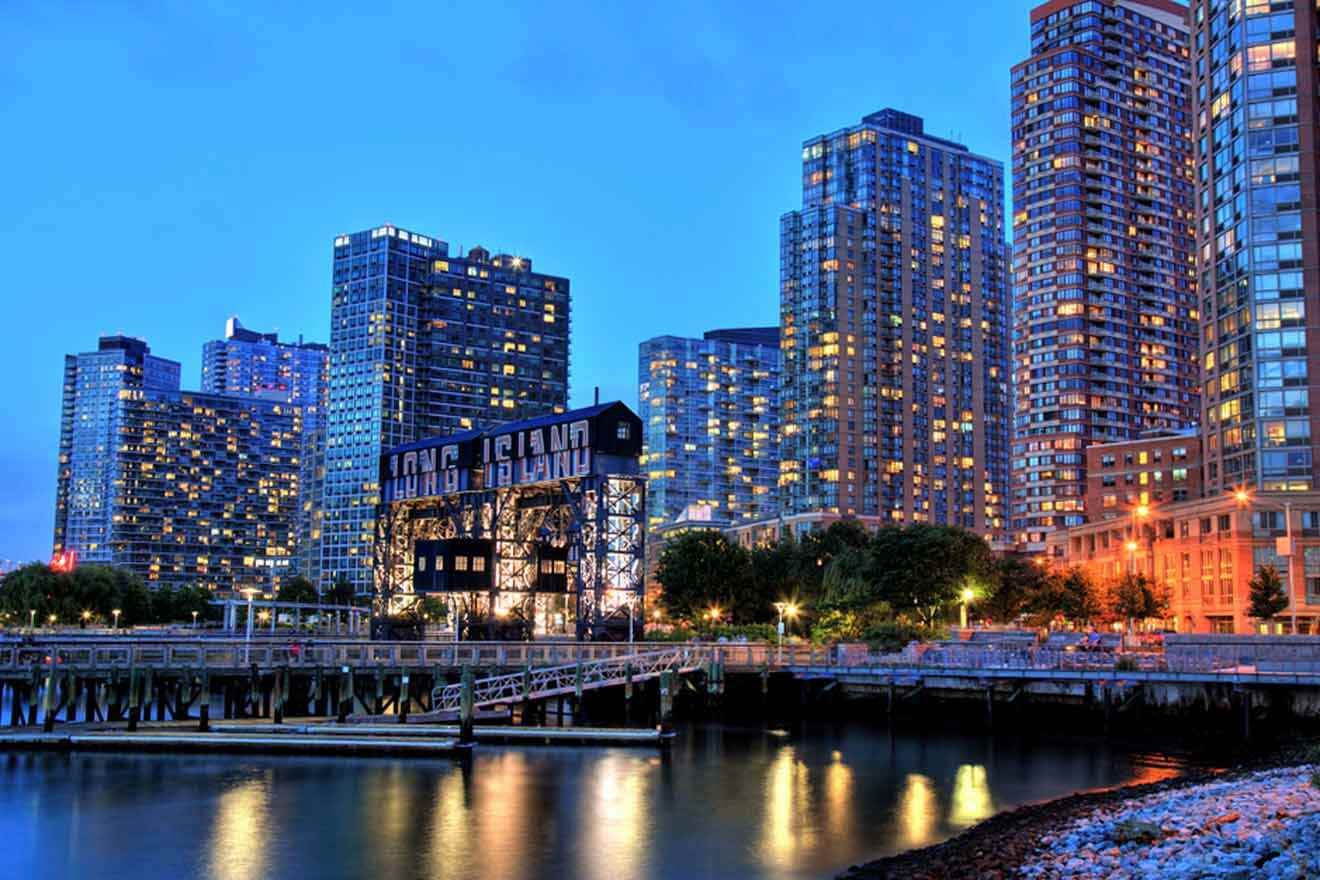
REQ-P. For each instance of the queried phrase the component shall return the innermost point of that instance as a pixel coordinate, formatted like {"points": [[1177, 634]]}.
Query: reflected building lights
{"points": [[839, 807], [449, 853], [616, 816], [502, 789], [971, 796], [241, 833], [786, 829], [918, 811]]}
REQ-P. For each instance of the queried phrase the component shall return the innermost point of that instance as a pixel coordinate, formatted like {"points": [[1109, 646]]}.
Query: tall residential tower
{"points": [[426, 343], [258, 365], [1105, 318], [1258, 234], [710, 423], [894, 330], [181, 487]]}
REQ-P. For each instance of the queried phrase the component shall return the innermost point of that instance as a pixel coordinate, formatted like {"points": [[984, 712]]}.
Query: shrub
{"points": [[1125, 664], [888, 638]]}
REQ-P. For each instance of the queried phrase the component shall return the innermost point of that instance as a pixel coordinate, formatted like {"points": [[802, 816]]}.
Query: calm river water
{"points": [[723, 803]]}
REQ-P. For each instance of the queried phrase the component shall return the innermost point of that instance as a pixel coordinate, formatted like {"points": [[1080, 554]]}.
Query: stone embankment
{"points": [[1261, 821], [1261, 825]]}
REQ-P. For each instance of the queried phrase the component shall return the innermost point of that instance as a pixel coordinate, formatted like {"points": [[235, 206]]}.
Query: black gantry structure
{"points": [[533, 527]]}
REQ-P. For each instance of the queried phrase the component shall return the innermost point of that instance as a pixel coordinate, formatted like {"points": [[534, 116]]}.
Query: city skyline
{"points": [[188, 178]]}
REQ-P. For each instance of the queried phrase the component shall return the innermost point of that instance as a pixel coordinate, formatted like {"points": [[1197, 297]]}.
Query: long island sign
{"points": [[542, 450]]}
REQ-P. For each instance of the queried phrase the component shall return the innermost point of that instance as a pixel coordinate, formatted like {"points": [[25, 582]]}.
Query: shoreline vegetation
{"points": [[1259, 818]]}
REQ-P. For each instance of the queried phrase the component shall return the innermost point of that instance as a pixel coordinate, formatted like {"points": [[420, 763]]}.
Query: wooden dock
{"points": [[251, 743]]}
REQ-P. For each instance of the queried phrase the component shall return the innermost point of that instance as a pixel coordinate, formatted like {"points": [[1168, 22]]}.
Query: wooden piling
{"points": [[465, 708], [48, 701], [34, 691], [132, 699], [277, 696], [666, 693], [15, 704]]}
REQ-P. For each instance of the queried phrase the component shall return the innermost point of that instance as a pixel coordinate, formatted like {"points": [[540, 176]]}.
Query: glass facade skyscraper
{"points": [[94, 383], [1258, 237], [1106, 312], [894, 330], [710, 423], [183, 488], [252, 364], [425, 343]]}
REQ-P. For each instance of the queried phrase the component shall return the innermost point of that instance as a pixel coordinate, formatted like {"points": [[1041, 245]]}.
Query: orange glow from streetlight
{"points": [[1132, 546]]}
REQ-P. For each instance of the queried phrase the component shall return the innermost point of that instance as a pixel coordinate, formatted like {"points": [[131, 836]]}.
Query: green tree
{"points": [[699, 570], [1022, 587], [95, 589], [921, 570], [1137, 597], [1268, 598], [1077, 597], [342, 593], [177, 604], [298, 589], [432, 608]]}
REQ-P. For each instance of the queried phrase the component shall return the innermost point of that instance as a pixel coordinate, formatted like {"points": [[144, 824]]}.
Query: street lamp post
{"points": [[967, 596], [1245, 499], [32, 619], [791, 610], [194, 614], [116, 613], [1140, 512], [247, 638]]}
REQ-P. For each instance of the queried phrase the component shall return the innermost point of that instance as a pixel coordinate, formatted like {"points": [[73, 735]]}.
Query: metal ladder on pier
{"points": [[554, 681]]}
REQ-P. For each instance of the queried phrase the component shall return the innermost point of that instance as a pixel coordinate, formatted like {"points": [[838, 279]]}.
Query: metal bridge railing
{"points": [[210, 653], [548, 681]]}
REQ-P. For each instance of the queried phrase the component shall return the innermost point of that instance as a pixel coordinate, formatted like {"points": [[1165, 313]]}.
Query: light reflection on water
{"points": [[239, 838], [720, 804]]}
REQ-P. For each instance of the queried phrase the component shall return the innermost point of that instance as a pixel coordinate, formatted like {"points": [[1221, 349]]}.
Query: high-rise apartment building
{"points": [[1105, 319], [94, 382], [710, 423], [1258, 240], [425, 343], [894, 330], [252, 364], [181, 487]]}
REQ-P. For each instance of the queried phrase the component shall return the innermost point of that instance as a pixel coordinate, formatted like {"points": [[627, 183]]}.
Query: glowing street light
{"points": [[1244, 498], [967, 596], [713, 614], [194, 620], [116, 613], [789, 609]]}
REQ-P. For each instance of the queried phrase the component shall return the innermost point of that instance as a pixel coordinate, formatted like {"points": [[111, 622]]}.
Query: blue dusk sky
{"points": [[169, 164]]}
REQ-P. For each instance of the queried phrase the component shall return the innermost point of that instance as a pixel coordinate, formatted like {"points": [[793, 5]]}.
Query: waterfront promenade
{"points": [[99, 677]]}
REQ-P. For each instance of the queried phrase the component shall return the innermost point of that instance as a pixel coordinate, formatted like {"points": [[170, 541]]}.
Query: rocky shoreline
{"points": [[1173, 828]]}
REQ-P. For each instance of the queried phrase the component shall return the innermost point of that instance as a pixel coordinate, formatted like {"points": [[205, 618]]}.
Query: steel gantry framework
{"points": [[593, 525]]}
